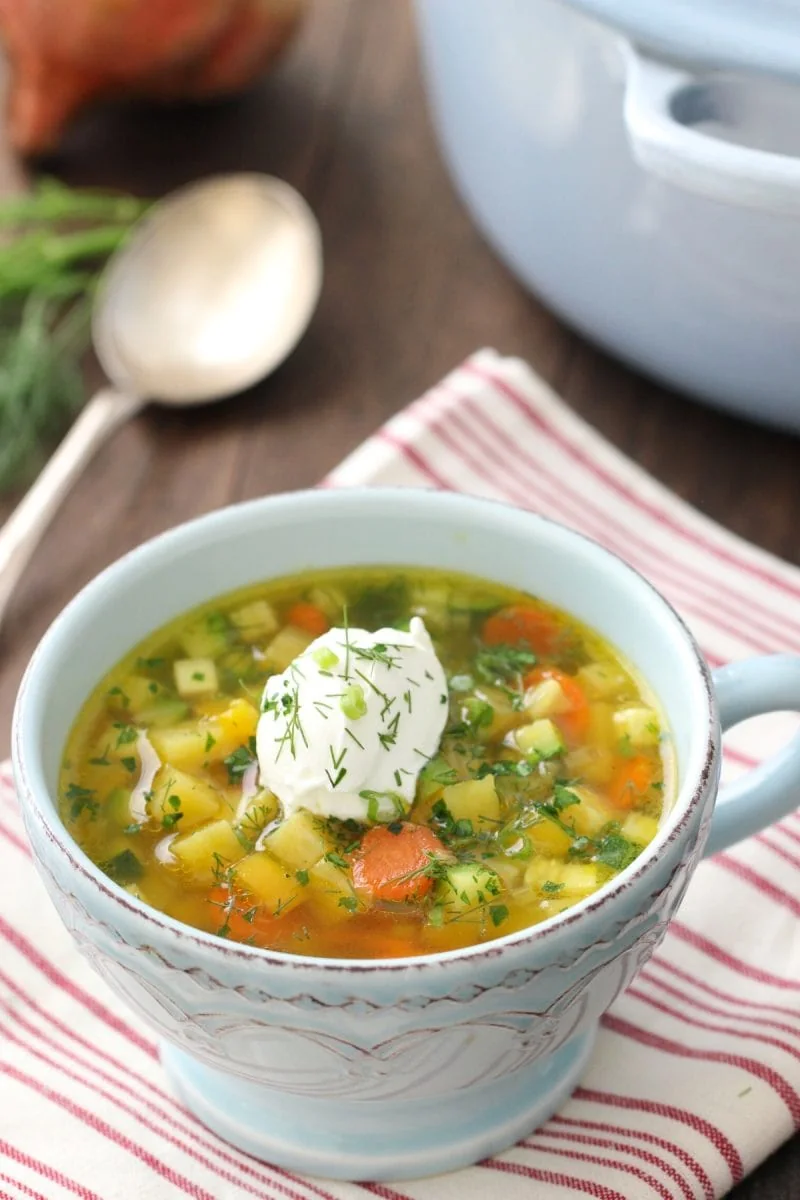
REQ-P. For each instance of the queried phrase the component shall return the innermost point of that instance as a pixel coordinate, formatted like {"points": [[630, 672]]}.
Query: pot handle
{"points": [[698, 162], [772, 789]]}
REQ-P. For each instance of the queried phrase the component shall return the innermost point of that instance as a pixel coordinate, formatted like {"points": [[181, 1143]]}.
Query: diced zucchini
{"points": [[180, 801], [205, 638], [541, 739], [511, 871], [165, 710], [299, 840], [591, 814], [546, 699], [208, 850], [639, 828], [468, 885], [601, 680], [573, 879], [639, 726], [255, 621], [124, 868], [330, 600], [474, 800], [595, 764], [268, 882], [431, 602], [195, 677], [332, 891], [285, 647]]}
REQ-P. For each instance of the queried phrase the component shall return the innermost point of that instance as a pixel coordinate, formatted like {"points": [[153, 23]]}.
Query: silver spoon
{"points": [[210, 293]]}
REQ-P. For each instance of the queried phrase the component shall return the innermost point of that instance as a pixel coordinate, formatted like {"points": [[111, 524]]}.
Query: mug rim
{"points": [[29, 773]]}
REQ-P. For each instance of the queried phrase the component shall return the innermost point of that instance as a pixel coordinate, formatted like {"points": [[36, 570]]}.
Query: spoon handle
{"points": [[23, 530]]}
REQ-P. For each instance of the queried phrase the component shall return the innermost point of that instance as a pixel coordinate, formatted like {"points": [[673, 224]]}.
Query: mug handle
{"points": [[673, 150], [772, 789]]}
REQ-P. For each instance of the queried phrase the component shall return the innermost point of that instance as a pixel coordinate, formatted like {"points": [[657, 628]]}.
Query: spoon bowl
{"points": [[212, 290]]}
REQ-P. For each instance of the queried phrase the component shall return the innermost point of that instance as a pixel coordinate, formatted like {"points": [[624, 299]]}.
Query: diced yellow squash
{"points": [[600, 727], [467, 886], [548, 838], [285, 647], [603, 680], [331, 885], [546, 699], [639, 828], [181, 746], [574, 879], [255, 621], [637, 725], [595, 764], [176, 794], [195, 677], [474, 800], [299, 840], [208, 850], [206, 637], [269, 882], [591, 814]]}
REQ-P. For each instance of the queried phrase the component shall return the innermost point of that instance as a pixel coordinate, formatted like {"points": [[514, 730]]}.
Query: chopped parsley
{"points": [[238, 761]]}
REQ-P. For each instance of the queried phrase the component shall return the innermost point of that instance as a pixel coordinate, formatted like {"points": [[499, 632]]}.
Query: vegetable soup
{"points": [[368, 763]]}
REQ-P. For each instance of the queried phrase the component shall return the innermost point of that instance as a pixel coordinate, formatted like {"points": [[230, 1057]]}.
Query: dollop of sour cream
{"points": [[347, 728]]}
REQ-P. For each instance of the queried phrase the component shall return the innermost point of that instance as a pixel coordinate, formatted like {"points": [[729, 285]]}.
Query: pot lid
{"points": [[755, 35]]}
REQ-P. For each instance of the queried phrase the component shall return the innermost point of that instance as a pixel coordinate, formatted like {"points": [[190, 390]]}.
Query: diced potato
{"points": [[269, 882], [574, 879], [256, 812], [141, 692], [600, 728], [591, 814], [511, 871], [639, 828], [639, 726], [474, 800], [593, 763], [195, 677], [207, 850], [548, 838], [287, 644], [546, 699], [541, 739], [255, 621], [206, 637], [504, 716], [299, 840], [431, 602], [230, 729], [602, 680], [178, 795], [182, 746], [331, 885], [469, 885]]}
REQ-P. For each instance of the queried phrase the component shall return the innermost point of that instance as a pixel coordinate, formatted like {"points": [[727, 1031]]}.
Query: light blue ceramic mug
{"points": [[398, 1068]]}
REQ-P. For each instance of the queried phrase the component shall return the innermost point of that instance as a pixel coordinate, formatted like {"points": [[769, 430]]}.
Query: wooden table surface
{"points": [[410, 289]]}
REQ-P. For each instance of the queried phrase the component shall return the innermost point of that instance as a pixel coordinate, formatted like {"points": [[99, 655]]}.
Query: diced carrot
{"points": [[630, 781], [308, 617], [391, 858], [574, 723], [517, 625], [244, 921]]}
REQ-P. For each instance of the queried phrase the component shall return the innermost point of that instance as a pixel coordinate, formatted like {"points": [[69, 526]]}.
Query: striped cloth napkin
{"points": [[696, 1075]]}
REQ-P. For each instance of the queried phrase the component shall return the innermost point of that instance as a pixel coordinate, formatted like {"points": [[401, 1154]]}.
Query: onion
{"points": [[66, 53]]}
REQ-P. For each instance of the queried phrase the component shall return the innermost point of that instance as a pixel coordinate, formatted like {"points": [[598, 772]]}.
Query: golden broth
{"points": [[551, 776]]}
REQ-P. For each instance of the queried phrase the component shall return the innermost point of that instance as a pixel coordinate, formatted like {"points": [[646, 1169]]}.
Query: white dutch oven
{"points": [[637, 164]]}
